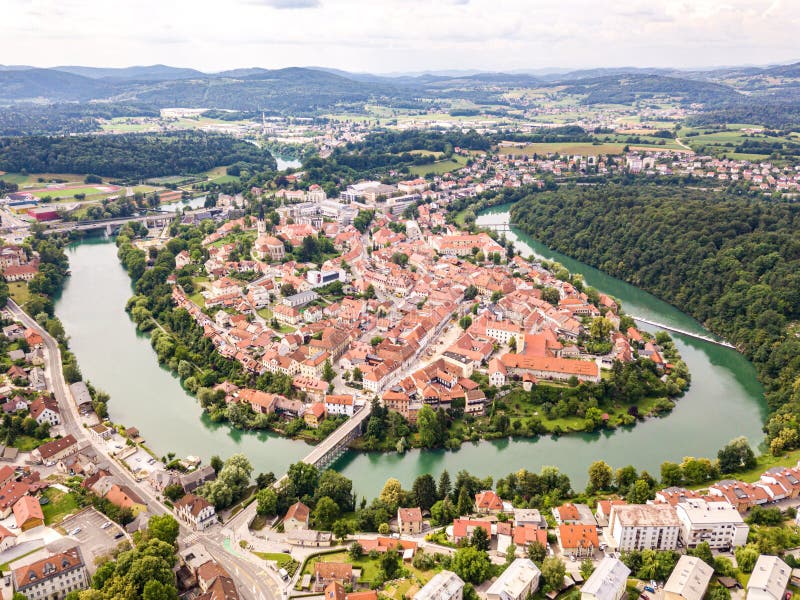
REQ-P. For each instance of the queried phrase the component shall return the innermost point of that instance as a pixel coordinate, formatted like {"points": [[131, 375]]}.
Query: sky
{"points": [[390, 36]]}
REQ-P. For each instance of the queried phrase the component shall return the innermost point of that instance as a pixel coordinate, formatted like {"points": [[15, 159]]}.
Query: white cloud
{"points": [[401, 35]]}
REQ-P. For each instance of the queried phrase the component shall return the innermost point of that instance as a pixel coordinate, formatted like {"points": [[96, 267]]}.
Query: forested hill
{"points": [[732, 263], [131, 156]]}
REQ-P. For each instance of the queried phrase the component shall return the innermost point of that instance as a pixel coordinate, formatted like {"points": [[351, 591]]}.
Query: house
{"points": [[7, 539], [327, 572], [45, 410], [314, 414], [529, 516], [570, 513], [52, 578], [519, 581], [409, 520], [297, 517], [406, 548], [464, 528], [341, 404], [9, 494], [769, 579], [101, 432], [645, 527], [717, 523], [607, 582], [28, 513], [33, 338], [580, 540], [215, 582], [689, 579], [194, 479], [55, 450], [123, 497], [196, 511], [488, 501], [445, 585], [603, 512]]}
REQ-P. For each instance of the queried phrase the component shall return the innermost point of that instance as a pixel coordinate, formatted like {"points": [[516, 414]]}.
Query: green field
{"points": [[581, 148], [32, 180], [440, 167], [19, 292], [61, 504], [70, 193]]}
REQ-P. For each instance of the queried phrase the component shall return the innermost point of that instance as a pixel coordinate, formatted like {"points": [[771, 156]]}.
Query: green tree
{"points": [[737, 455], [424, 490], [391, 494], [587, 568], [471, 564], [267, 500], [328, 373], [600, 475], [536, 552], [465, 504], [480, 539], [671, 474], [325, 513], [390, 563], [164, 528], [444, 487], [553, 571]]}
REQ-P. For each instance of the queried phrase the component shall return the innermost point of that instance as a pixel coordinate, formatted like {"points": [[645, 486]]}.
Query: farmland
{"points": [[582, 148], [440, 167]]}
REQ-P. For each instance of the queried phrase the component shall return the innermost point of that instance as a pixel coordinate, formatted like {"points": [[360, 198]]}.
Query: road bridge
{"points": [[690, 334], [161, 219], [335, 445]]}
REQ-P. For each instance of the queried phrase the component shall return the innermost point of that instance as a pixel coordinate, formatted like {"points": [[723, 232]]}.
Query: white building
{"points": [[689, 579], [769, 579], [644, 527], [196, 511], [339, 405], [52, 578], [445, 585], [607, 582], [717, 523], [517, 582]]}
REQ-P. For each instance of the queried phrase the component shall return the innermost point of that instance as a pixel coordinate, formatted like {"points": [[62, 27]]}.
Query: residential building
{"points": [[314, 414], [409, 520], [717, 523], [488, 501], [570, 513], [645, 527], [689, 579], [519, 581], [196, 511], [297, 517], [194, 479], [769, 579], [52, 578], [45, 410], [580, 540], [7, 539], [445, 585], [341, 404], [55, 450], [124, 497], [607, 582], [326, 573], [28, 513]]}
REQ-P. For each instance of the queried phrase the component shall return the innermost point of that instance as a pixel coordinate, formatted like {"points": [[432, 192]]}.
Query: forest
{"points": [[730, 262], [131, 156]]}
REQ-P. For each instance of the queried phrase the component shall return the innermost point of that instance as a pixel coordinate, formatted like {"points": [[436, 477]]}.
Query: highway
{"points": [[253, 580]]}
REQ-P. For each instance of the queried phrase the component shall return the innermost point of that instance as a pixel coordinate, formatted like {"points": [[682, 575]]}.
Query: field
{"points": [[19, 292], [581, 148], [33, 179], [369, 570], [440, 167], [69, 192], [61, 504]]}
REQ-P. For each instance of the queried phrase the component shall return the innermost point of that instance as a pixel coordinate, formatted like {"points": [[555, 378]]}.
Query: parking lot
{"points": [[86, 527]]}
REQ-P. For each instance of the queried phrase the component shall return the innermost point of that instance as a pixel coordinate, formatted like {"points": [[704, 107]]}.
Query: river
{"points": [[724, 401]]}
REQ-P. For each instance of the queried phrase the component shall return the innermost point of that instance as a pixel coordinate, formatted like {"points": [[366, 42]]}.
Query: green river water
{"points": [[724, 401]]}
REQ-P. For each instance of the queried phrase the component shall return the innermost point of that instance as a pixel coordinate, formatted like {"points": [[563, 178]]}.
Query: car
{"points": [[8, 579], [572, 557], [650, 589], [105, 525], [12, 526], [75, 531], [119, 535], [644, 597]]}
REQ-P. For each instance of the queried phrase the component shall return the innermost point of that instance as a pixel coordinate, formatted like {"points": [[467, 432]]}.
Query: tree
{"points": [[174, 492], [216, 463], [337, 487], [429, 427], [536, 552], [390, 563], [356, 551], [671, 474], [328, 373], [443, 489], [480, 539], [164, 528], [287, 289], [267, 500], [465, 505], [600, 475], [471, 564], [703, 552], [639, 493], [719, 592], [443, 512], [465, 322], [737, 455], [341, 529], [424, 490], [325, 513], [553, 570], [587, 568], [391, 493]]}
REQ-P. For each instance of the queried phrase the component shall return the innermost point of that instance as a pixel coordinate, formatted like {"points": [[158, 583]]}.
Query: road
{"points": [[253, 581]]}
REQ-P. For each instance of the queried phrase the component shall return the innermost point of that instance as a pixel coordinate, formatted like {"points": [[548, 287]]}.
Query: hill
{"points": [[146, 73]]}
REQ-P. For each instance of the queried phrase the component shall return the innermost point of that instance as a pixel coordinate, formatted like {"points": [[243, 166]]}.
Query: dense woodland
{"points": [[732, 263], [131, 156]]}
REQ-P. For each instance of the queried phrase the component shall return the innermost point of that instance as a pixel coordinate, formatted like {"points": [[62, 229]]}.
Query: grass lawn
{"points": [[70, 192], [276, 556], [19, 292], [33, 178], [265, 313], [26, 443], [369, 568], [440, 167], [225, 179], [581, 148], [61, 504]]}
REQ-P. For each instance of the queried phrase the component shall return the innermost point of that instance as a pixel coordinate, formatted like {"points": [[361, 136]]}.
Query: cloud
{"points": [[289, 4]]}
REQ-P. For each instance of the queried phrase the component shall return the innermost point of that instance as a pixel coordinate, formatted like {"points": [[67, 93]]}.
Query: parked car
{"points": [[119, 535], [650, 589], [105, 525], [75, 531]]}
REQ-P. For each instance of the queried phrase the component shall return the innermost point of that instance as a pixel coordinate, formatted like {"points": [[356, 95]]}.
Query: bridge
{"points": [[335, 445], [109, 225], [498, 227], [690, 334]]}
